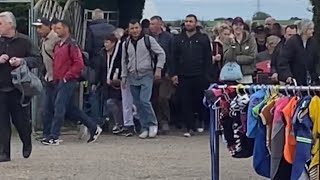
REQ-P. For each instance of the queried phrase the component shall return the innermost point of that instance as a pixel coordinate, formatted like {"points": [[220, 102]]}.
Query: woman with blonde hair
{"points": [[222, 31]]}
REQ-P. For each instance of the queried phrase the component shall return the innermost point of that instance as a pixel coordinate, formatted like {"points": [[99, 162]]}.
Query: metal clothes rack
{"points": [[215, 111]]}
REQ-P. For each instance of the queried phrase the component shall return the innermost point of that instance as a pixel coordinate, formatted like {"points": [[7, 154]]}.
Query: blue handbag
{"points": [[231, 71]]}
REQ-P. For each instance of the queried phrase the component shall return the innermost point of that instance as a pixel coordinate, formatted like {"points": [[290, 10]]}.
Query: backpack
{"points": [[26, 82], [86, 71], [154, 59]]}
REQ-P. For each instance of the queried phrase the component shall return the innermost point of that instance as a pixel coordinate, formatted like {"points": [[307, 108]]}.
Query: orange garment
{"points": [[290, 141], [266, 116]]}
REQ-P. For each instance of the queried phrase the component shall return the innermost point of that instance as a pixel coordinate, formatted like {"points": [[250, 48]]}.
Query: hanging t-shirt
{"points": [[252, 122], [302, 129], [290, 141], [280, 168], [314, 114], [238, 144], [261, 155]]}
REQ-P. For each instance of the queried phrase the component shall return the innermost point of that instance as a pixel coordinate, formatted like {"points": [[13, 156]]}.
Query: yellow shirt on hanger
{"points": [[314, 113]]}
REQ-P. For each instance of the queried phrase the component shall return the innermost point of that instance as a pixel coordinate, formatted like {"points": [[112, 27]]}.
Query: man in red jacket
{"points": [[67, 66]]}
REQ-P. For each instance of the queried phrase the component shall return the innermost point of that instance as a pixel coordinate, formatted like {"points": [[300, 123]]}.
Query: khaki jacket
{"points": [[244, 53], [47, 47]]}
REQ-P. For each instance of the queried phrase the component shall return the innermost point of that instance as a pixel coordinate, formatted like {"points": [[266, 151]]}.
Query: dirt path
{"points": [[120, 158]]}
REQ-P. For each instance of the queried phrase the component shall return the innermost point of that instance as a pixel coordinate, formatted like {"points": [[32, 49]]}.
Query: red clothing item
{"points": [[67, 60]]}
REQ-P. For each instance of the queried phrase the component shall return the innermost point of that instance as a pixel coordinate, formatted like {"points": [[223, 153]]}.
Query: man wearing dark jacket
{"points": [[15, 48], [162, 89], [97, 31], [290, 31], [300, 56], [191, 57]]}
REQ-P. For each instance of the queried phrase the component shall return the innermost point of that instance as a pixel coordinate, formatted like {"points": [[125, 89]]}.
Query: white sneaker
{"points": [[153, 130], [188, 134], [94, 135], [144, 135], [200, 130], [83, 132]]}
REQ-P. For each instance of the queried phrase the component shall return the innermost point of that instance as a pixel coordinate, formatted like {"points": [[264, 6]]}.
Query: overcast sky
{"points": [[210, 9]]}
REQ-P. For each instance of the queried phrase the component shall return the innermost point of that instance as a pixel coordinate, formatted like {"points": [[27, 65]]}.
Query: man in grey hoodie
{"points": [[138, 69]]}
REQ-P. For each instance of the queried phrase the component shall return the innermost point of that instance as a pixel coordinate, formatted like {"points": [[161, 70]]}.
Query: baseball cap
{"points": [[237, 20], [42, 21], [260, 29]]}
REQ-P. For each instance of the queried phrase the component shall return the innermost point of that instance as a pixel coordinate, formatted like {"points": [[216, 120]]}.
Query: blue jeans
{"points": [[141, 90], [65, 107], [95, 100], [48, 108]]}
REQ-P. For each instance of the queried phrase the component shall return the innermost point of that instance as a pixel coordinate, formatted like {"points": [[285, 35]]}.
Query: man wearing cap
{"points": [[48, 40], [242, 48], [261, 37]]}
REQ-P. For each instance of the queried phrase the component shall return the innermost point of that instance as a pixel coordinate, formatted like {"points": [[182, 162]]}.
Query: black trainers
{"points": [[94, 135], [117, 130], [53, 142], [40, 138], [127, 131]]}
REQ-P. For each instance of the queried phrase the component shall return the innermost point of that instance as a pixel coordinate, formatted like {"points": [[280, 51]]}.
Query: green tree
{"points": [[316, 17], [220, 19], [21, 11], [128, 9], [295, 18], [260, 16]]}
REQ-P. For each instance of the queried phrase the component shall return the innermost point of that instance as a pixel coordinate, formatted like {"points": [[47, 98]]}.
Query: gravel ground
{"points": [[119, 158]]}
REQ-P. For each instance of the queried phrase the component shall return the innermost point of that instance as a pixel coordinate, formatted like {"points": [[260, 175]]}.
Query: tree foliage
{"points": [[260, 16], [316, 17], [220, 19], [129, 9], [295, 18], [21, 11]]}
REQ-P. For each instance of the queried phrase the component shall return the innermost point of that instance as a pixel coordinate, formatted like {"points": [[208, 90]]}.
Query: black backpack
{"points": [[154, 59], [86, 71]]}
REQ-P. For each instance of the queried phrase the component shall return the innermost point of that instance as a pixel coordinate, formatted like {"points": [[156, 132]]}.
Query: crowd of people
{"points": [[148, 77]]}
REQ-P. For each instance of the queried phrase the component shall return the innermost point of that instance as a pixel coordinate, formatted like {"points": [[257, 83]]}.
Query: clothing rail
{"points": [[280, 87], [214, 118]]}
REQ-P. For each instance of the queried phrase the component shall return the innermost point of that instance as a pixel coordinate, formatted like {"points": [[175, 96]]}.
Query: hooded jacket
{"points": [[244, 54]]}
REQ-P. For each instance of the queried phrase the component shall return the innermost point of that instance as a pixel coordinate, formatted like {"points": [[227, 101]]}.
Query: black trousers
{"points": [[12, 111], [191, 92]]}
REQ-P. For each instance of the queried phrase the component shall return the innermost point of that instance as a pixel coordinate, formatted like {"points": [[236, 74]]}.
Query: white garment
{"points": [[246, 80], [127, 106]]}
